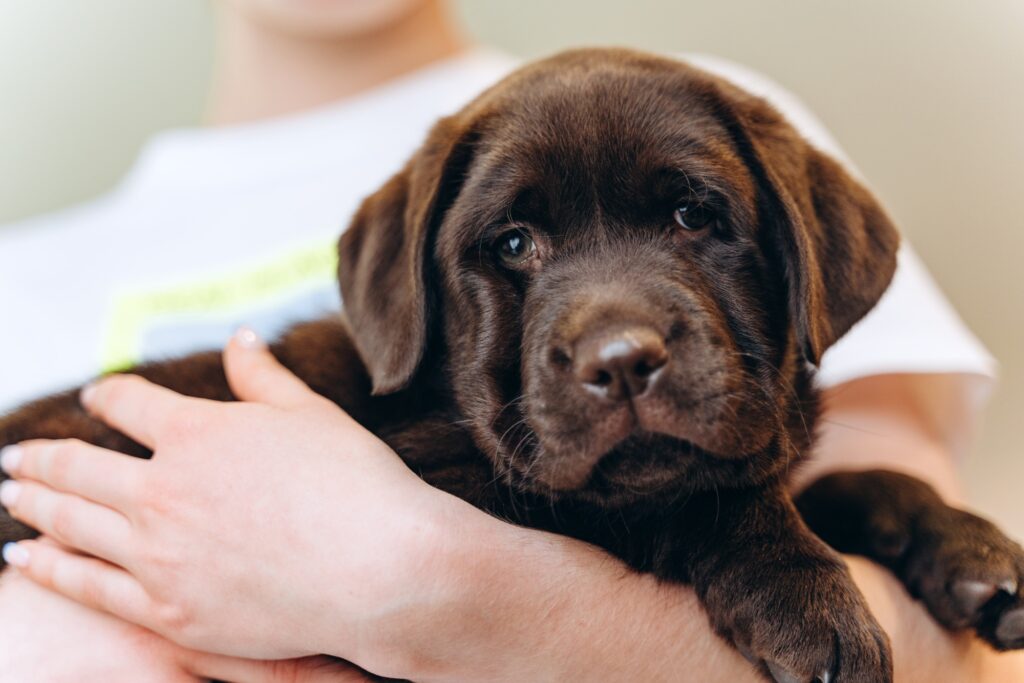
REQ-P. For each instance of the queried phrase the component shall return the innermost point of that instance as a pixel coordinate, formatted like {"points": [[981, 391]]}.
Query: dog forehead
{"points": [[604, 117], [607, 110], [595, 129]]}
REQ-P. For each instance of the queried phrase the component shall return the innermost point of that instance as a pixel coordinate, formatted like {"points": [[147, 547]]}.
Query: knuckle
{"points": [[114, 390], [62, 522], [58, 468], [44, 568], [175, 620], [164, 564], [136, 493], [92, 591], [151, 497], [183, 424]]}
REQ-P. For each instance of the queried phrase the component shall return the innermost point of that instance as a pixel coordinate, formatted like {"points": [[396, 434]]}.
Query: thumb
{"points": [[317, 669], [255, 375]]}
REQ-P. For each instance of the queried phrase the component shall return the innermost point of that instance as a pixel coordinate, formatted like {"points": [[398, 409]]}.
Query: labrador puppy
{"points": [[592, 303]]}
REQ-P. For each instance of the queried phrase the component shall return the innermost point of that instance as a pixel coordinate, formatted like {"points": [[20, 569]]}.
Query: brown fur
{"points": [[492, 379]]}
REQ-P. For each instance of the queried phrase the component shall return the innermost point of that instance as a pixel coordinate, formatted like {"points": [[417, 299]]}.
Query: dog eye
{"points": [[694, 216], [515, 248]]}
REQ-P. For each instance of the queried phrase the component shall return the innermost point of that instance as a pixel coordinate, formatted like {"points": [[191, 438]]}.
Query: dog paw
{"points": [[812, 626], [968, 574]]}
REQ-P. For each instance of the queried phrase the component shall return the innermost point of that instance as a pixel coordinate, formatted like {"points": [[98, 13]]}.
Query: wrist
{"points": [[429, 593], [375, 607], [472, 569], [515, 604], [487, 592]]}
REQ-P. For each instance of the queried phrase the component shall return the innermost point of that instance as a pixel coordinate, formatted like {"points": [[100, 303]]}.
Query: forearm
{"points": [[528, 605], [534, 606], [876, 423]]}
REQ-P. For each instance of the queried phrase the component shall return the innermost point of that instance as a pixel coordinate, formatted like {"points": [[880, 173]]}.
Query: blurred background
{"points": [[926, 96]]}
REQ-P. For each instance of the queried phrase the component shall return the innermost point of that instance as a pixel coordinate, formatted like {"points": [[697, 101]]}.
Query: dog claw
{"points": [[748, 655], [1010, 631], [782, 675], [972, 595]]}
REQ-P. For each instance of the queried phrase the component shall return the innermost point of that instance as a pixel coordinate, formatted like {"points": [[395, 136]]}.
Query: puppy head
{"points": [[624, 266]]}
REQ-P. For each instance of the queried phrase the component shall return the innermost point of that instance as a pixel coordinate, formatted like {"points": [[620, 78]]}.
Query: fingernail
{"points": [[87, 394], [10, 458], [9, 492], [15, 555], [247, 338]]}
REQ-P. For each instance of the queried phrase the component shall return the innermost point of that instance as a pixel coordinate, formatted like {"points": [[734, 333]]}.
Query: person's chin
{"points": [[336, 19]]}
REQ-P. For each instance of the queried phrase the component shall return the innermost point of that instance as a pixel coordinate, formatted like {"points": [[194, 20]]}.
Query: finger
{"points": [[133, 405], [256, 375], [73, 466], [89, 581], [73, 521], [317, 669]]}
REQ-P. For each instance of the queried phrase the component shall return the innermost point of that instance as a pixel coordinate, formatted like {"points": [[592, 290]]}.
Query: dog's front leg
{"points": [[962, 567], [773, 589]]}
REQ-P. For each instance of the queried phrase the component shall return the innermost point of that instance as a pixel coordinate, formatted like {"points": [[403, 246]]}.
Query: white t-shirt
{"points": [[214, 228]]}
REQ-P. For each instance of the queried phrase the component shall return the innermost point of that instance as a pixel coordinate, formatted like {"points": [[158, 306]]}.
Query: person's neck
{"points": [[262, 73]]}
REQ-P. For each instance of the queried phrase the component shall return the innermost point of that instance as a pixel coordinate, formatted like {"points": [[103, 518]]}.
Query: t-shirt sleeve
{"points": [[913, 329]]}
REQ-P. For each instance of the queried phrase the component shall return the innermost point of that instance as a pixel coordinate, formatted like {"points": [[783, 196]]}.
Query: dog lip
{"points": [[569, 469], [601, 476], [563, 468], [635, 420], [577, 472]]}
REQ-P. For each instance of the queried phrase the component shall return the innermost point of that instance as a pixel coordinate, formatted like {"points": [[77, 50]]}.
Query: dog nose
{"points": [[619, 364]]}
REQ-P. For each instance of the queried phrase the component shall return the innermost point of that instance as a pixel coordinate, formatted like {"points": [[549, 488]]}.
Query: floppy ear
{"points": [[384, 266], [837, 243]]}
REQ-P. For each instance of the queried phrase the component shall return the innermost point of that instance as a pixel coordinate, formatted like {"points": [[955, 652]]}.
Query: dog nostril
{"points": [[621, 363], [643, 369]]}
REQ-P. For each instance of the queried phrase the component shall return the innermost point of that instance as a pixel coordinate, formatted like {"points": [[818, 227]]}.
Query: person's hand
{"points": [[46, 637], [52, 639], [249, 521], [568, 611]]}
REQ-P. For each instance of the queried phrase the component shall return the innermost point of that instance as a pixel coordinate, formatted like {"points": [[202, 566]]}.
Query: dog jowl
{"points": [[590, 303]]}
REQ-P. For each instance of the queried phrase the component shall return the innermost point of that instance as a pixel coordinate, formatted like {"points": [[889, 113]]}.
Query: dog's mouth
{"points": [[562, 449], [640, 461], [628, 452], [643, 465]]}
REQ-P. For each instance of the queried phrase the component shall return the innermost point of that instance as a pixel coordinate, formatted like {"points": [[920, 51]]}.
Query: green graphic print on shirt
{"points": [[266, 296]]}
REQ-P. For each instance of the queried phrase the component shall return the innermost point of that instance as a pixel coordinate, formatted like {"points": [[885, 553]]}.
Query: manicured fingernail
{"points": [[9, 492], [10, 458], [15, 555], [248, 339], [87, 394]]}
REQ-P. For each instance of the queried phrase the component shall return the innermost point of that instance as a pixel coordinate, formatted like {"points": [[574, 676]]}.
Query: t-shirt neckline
{"points": [[196, 158]]}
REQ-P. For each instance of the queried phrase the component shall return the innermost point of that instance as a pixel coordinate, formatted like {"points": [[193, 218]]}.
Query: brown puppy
{"points": [[588, 304]]}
